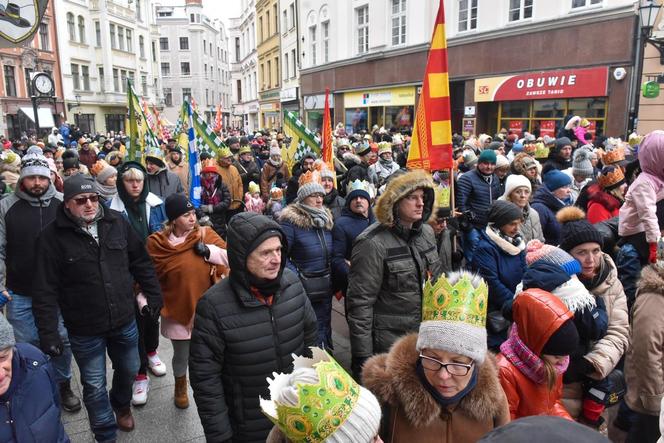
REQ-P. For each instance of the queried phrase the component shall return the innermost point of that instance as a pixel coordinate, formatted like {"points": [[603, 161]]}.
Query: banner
{"points": [[19, 21], [548, 127], [431, 143], [140, 134], [205, 138], [194, 163], [302, 140], [217, 120], [326, 135]]}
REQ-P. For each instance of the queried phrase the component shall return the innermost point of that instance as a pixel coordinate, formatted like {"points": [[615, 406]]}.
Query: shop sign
{"points": [[548, 127], [270, 106], [650, 89], [469, 111], [402, 96], [568, 83], [288, 94], [468, 126], [317, 101], [516, 127]]}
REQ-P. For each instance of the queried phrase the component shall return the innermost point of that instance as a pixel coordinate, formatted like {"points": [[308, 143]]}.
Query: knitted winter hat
{"points": [[274, 149], [494, 146], [564, 341], [78, 184], [575, 229], [176, 205], [309, 183], [517, 147], [454, 315], [513, 182], [70, 159], [561, 143], [487, 156], [320, 402], [537, 251], [581, 165], [34, 163], [469, 158], [102, 171], [7, 339], [503, 212], [555, 179], [611, 177], [501, 161]]}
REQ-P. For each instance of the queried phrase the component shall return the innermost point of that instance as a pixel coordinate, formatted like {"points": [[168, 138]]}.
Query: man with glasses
{"points": [[87, 261]]}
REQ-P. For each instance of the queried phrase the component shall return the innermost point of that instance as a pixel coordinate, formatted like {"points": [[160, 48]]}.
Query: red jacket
{"points": [[538, 314], [601, 205]]}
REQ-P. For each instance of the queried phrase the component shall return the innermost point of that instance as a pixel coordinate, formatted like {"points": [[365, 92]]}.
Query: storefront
{"points": [[390, 107], [537, 102], [270, 109], [289, 101], [314, 106]]}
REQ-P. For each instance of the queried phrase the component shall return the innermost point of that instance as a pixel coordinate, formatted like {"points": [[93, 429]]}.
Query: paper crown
{"points": [[208, 165], [98, 166], [225, 152], [154, 152], [361, 185], [541, 151], [610, 177], [615, 152], [384, 147], [321, 408], [309, 177], [276, 192], [254, 187], [584, 123], [463, 301], [442, 196], [634, 139]]}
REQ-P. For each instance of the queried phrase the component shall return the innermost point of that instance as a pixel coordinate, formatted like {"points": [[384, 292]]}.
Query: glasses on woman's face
{"points": [[458, 369]]}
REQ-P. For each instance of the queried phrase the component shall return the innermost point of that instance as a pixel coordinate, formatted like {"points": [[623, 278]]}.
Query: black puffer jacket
{"points": [[238, 341]]}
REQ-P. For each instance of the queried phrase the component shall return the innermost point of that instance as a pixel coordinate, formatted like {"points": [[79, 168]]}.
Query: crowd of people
{"points": [[534, 291]]}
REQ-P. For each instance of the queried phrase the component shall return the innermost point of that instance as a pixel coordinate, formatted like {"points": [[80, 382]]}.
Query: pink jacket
{"points": [[638, 213], [580, 133]]}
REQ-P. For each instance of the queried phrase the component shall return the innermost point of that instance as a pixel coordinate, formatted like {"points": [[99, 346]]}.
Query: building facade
{"points": [[41, 55], [104, 43], [536, 49], [269, 58], [194, 61], [290, 57], [651, 110], [244, 68]]}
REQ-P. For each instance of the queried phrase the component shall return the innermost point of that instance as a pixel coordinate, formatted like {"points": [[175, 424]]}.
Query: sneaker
{"points": [[140, 390], [157, 367], [68, 399]]}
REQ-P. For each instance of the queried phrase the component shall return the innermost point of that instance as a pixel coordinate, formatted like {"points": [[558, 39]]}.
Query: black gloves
{"points": [[201, 249], [54, 350], [152, 312]]}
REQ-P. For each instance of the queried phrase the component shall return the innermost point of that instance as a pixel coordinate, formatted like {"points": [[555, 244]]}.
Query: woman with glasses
{"points": [[518, 190], [441, 384]]}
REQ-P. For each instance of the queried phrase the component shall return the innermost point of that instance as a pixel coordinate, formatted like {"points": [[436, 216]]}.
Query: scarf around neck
{"points": [[598, 279], [525, 360], [106, 191], [504, 243], [446, 401], [319, 217], [209, 193]]}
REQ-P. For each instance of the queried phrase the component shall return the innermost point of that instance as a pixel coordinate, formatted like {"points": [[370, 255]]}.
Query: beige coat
{"points": [[181, 170], [644, 366]]}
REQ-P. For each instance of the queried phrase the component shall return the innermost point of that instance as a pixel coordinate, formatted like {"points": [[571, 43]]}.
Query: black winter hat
{"points": [[564, 341], [561, 143], [78, 184], [575, 229], [176, 205], [548, 429], [503, 212]]}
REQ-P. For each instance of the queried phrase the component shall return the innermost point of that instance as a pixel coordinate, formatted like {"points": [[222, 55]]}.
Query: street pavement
{"points": [[159, 420]]}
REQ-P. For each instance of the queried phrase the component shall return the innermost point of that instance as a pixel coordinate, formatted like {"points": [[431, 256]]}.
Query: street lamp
{"points": [[71, 106], [648, 12]]}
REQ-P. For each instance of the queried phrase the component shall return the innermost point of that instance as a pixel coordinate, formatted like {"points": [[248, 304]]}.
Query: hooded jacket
{"points": [[546, 205], [411, 414], [601, 204], [155, 212], [644, 366], [164, 183], [237, 341], [390, 264], [22, 218], [538, 317], [345, 231], [271, 175]]}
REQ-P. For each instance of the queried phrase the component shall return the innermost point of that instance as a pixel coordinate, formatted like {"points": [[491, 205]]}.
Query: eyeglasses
{"points": [[457, 369], [83, 200]]}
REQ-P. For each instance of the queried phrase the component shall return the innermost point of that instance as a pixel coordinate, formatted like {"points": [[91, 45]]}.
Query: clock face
{"points": [[43, 84]]}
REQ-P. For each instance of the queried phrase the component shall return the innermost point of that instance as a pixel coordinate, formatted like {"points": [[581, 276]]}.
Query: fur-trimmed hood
{"points": [[297, 216], [392, 378], [652, 280], [598, 195], [398, 188]]}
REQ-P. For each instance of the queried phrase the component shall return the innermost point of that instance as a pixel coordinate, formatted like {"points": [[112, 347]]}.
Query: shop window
{"points": [[516, 109], [548, 109], [467, 15], [588, 107], [515, 126], [376, 116], [356, 120], [400, 117], [520, 9]]}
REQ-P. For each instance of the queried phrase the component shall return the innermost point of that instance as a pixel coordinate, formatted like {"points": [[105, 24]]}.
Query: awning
{"points": [[45, 116]]}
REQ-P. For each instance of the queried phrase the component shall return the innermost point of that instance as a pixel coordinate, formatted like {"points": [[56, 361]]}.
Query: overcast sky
{"points": [[222, 9]]}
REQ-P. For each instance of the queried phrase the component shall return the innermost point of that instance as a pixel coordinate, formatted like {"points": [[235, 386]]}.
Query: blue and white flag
{"points": [[194, 163]]}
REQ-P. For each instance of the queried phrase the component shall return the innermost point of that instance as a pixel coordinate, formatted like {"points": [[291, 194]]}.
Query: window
{"points": [[291, 11], [286, 66], [276, 69], [237, 49], [467, 15], [207, 97], [71, 27], [123, 80], [260, 29], [312, 45], [212, 73], [141, 46], [10, 81], [139, 11], [85, 122], [115, 122], [584, 3], [326, 41], [28, 81], [275, 13], [165, 69], [116, 80], [85, 72], [76, 79], [520, 9], [284, 21], [204, 46], [186, 93], [239, 90], [168, 96], [263, 76], [112, 30], [43, 37], [398, 22], [192, 18], [211, 53], [130, 43], [362, 15], [184, 68], [163, 43], [144, 84], [121, 38], [294, 60], [81, 29], [267, 24], [98, 34], [102, 87], [205, 70], [184, 43], [154, 51]]}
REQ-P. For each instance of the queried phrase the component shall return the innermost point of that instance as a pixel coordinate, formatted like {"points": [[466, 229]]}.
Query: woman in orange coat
{"points": [[532, 361]]}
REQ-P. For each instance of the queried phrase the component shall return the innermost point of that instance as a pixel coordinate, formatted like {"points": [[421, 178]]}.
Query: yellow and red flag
{"points": [[431, 143], [326, 135]]}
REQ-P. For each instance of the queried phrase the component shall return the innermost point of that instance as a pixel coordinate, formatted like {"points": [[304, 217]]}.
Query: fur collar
{"points": [[504, 244], [392, 378], [652, 279], [604, 198], [398, 188], [296, 216]]}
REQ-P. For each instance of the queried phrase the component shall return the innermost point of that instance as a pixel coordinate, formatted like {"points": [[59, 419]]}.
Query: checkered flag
{"points": [[302, 149], [202, 147], [178, 128]]}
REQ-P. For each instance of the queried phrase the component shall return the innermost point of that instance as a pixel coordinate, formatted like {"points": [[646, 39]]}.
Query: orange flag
{"points": [[217, 120], [431, 143], [326, 135]]}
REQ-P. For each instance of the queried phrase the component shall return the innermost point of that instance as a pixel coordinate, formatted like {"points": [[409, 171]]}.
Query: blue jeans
{"points": [[19, 314], [323, 310], [470, 241], [90, 354], [628, 263]]}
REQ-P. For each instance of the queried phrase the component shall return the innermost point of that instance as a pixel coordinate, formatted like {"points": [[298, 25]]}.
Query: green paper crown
{"points": [[460, 302], [322, 408], [361, 185], [442, 196]]}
